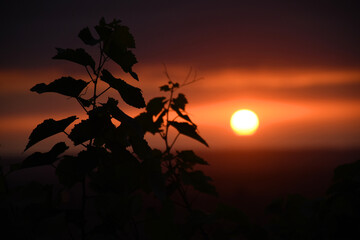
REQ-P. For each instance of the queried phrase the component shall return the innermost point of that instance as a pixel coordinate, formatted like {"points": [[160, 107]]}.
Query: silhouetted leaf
{"points": [[189, 159], [199, 181], [165, 88], [67, 86], [116, 32], [155, 105], [148, 125], [86, 36], [188, 130], [180, 101], [83, 131], [117, 39], [78, 56], [96, 126], [48, 128], [40, 159], [140, 146], [180, 114], [103, 30], [131, 95], [129, 124], [125, 58]]}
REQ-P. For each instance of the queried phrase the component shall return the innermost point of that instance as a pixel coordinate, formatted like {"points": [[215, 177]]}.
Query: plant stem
{"points": [[103, 92], [167, 120], [172, 144], [81, 105]]}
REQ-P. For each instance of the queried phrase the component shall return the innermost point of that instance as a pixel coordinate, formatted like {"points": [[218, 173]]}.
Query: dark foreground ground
{"points": [[247, 179]]}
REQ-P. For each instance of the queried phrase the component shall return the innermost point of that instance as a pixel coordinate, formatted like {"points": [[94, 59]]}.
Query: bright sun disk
{"points": [[244, 122]]}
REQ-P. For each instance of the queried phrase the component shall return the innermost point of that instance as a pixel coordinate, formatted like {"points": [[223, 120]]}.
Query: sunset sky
{"points": [[295, 63]]}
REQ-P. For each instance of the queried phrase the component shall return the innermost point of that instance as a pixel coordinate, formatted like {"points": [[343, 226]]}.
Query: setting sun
{"points": [[244, 122]]}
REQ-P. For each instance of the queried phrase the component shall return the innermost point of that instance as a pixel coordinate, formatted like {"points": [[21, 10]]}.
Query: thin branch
{"points": [[103, 92], [87, 70], [195, 79], [172, 144], [188, 75], [167, 119], [166, 73]]}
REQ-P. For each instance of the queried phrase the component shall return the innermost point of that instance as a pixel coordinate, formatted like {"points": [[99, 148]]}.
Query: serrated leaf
{"points": [[40, 159], [117, 113], [189, 159], [96, 126], [180, 114], [67, 86], [180, 101], [124, 58], [148, 125], [48, 128], [122, 37], [165, 88], [79, 56], [188, 130], [199, 181], [155, 105], [131, 95], [117, 39], [86, 36]]}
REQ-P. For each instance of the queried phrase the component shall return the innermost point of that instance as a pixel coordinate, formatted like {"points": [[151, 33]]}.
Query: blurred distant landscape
{"points": [[252, 179], [248, 179]]}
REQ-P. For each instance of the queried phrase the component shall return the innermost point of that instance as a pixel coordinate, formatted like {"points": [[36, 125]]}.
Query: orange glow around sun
{"points": [[244, 122]]}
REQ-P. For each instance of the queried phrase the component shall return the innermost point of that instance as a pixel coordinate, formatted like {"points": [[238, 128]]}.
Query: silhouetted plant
{"points": [[124, 188], [107, 171]]}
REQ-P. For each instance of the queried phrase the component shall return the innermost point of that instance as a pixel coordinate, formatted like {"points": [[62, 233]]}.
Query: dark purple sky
{"points": [[198, 33]]}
